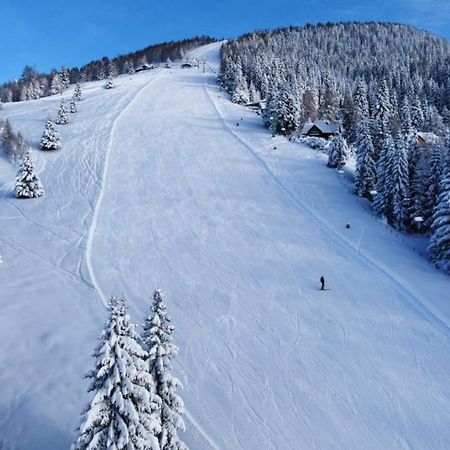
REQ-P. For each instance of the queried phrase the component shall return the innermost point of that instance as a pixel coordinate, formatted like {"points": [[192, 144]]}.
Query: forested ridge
{"points": [[387, 85]]}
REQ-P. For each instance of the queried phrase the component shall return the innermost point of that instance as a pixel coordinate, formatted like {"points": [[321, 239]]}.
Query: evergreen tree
{"points": [[433, 184], [365, 176], [109, 84], [439, 246], [122, 415], [381, 115], [63, 115], [157, 337], [73, 105], [56, 84], [50, 138], [28, 184], [398, 180], [64, 76], [78, 95], [240, 91], [381, 202], [338, 152]]}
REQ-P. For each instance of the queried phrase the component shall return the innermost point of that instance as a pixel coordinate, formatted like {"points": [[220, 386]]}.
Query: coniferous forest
{"points": [[387, 85]]}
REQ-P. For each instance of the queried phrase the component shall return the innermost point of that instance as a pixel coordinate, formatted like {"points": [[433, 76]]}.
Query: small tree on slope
{"points": [[77, 93], [50, 137], [28, 184], [121, 415], [73, 105], [158, 342], [63, 116], [439, 246], [338, 152]]}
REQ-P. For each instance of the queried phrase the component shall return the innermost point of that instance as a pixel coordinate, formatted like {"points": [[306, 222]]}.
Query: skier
{"points": [[322, 283]]}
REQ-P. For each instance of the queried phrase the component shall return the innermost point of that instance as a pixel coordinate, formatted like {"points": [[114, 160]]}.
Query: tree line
{"points": [[33, 84]]}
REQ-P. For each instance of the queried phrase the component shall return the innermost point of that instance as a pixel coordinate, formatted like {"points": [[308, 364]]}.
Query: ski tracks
{"points": [[412, 297], [98, 205]]}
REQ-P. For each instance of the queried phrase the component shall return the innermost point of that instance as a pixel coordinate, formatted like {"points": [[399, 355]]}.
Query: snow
{"points": [[156, 186]]}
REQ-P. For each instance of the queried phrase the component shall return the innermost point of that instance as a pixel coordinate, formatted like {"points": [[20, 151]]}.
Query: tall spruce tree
{"points": [[439, 246], [28, 184], [381, 201], [398, 181], [157, 337], [433, 184], [50, 138], [365, 176], [123, 413], [338, 152]]}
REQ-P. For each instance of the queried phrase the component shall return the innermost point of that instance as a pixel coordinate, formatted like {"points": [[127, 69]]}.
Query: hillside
{"points": [[157, 186]]}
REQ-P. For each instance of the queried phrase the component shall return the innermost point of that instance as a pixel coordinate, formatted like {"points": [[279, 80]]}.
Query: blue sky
{"points": [[48, 33]]}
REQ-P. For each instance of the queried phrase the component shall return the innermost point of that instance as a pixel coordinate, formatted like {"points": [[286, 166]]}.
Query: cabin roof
{"points": [[324, 127]]}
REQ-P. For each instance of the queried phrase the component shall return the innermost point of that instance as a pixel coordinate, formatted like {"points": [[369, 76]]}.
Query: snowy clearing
{"points": [[157, 186]]}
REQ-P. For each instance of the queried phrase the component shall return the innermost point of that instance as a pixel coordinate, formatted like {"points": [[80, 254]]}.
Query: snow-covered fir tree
{"points": [[28, 184], [73, 105], [112, 70], [398, 182], [63, 115], [433, 184], [381, 201], [157, 337], [123, 412], [382, 113], [109, 84], [56, 84], [77, 93], [50, 137], [365, 176], [439, 246], [338, 152], [240, 91], [64, 76]]}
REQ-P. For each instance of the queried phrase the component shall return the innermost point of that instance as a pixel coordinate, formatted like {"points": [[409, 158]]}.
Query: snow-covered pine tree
{"points": [[109, 84], [63, 115], [73, 105], [240, 90], [122, 415], [398, 177], [28, 184], [77, 93], [365, 177], [433, 184], [112, 70], [381, 116], [338, 152], [439, 246], [381, 201], [157, 337], [50, 137], [64, 75], [56, 85]]}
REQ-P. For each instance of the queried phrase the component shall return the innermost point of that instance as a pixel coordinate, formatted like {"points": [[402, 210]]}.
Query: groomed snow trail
{"points": [[158, 186], [203, 210]]}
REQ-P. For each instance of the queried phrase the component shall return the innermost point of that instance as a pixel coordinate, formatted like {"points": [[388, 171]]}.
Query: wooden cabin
{"points": [[321, 129]]}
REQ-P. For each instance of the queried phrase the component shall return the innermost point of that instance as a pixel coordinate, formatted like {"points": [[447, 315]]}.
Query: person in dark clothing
{"points": [[322, 283]]}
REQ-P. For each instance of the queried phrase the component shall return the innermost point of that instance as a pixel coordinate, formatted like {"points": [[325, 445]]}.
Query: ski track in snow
{"points": [[411, 295], [92, 229], [238, 235]]}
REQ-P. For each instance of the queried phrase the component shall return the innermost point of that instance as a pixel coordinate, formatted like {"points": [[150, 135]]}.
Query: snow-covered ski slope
{"points": [[157, 186]]}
